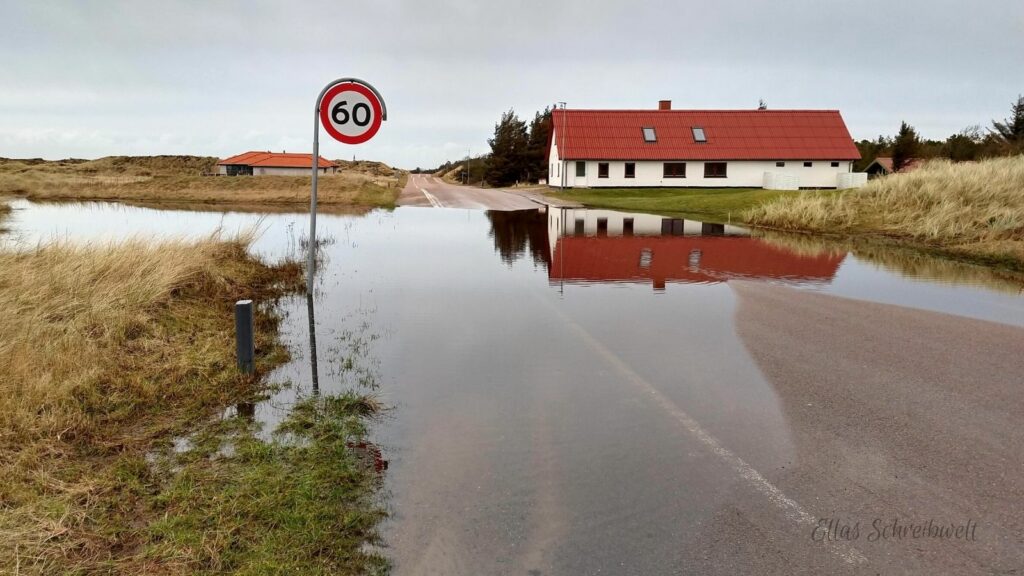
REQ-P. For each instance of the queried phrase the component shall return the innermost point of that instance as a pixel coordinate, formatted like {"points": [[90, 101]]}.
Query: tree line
{"points": [[1003, 138], [518, 153]]}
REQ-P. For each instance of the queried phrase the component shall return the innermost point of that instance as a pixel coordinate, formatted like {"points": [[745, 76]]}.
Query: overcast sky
{"points": [[88, 79]]}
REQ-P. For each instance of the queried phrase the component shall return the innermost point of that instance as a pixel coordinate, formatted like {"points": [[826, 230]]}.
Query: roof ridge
{"points": [[719, 110]]}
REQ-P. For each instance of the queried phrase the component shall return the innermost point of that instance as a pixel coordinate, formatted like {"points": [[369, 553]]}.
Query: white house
{"points": [[273, 164], [781, 149]]}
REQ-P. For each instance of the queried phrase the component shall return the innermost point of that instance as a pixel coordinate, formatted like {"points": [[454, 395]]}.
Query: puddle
{"points": [[525, 353]]}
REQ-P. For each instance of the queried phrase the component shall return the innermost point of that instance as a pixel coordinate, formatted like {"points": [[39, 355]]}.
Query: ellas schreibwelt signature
{"points": [[892, 529]]}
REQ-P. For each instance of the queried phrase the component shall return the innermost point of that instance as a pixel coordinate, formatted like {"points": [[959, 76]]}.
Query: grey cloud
{"points": [[96, 78]]}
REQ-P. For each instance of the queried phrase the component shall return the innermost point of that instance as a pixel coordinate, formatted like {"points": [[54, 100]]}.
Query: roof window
{"points": [[649, 135], [698, 134]]}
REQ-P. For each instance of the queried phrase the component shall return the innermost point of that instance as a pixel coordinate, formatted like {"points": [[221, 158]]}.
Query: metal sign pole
{"points": [[315, 161]]}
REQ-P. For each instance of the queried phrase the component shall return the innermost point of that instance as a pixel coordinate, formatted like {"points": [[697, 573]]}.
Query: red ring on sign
{"points": [[325, 118]]}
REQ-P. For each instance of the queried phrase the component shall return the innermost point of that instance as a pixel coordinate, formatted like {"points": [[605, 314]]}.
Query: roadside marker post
{"points": [[245, 337], [351, 112]]}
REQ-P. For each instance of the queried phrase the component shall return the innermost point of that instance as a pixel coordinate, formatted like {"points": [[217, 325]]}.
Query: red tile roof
{"points": [[275, 160], [731, 135], [909, 166]]}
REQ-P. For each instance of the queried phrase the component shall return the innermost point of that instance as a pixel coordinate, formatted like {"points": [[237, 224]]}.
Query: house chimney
{"points": [[664, 104]]}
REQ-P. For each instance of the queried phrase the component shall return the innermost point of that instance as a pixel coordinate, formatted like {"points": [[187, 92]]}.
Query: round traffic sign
{"points": [[351, 113]]}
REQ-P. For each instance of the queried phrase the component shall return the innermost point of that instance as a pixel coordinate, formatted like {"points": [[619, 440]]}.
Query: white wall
{"points": [[562, 222], [740, 173], [852, 180], [270, 171]]}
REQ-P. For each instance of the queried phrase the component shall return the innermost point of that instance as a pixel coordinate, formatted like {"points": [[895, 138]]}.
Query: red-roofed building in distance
{"points": [[783, 149], [273, 164]]}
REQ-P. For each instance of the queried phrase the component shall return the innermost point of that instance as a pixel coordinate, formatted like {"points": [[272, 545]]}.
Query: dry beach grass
{"points": [[180, 179], [110, 351], [972, 210]]}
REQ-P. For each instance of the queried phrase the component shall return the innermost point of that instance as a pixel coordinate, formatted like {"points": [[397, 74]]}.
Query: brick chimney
{"points": [[664, 104]]}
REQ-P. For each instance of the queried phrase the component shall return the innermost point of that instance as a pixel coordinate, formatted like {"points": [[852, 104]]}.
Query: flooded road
{"points": [[589, 392]]}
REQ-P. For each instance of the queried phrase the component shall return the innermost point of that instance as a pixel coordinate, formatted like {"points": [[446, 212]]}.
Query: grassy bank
{"points": [[707, 204], [112, 351], [973, 210], [180, 179]]}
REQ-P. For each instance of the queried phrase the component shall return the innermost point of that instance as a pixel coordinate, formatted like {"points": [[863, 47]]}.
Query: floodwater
{"points": [[569, 391]]}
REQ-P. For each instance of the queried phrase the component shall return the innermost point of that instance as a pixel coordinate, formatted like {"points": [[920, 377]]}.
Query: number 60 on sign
{"points": [[351, 113]]}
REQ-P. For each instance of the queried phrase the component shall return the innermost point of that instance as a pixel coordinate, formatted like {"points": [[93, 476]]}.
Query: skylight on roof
{"points": [[698, 135], [649, 135]]}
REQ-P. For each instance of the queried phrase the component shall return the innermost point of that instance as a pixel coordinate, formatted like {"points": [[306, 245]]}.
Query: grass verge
{"points": [[109, 353], [971, 211], [179, 179], [707, 204]]}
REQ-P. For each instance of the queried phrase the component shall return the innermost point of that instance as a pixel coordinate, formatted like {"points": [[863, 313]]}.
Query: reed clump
{"points": [[974, 210]]}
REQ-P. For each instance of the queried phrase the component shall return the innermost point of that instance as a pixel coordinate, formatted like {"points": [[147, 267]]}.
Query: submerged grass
{"points": [[180, 179], [969, 210], [708, 204], [301, 503], [110, 351]]}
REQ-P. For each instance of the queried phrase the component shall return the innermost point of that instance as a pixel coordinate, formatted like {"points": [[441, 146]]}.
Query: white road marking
{"points": [[432, 199], [754, 479]]}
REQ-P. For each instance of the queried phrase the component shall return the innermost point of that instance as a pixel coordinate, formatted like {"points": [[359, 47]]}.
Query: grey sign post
{"points": [[245, 337], [351, 111]]}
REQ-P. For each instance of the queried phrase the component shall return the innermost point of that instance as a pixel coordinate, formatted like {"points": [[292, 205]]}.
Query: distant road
{"points": [[429, 191]]}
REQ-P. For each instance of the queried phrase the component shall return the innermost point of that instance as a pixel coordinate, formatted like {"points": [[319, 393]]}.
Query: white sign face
{"points": [[351, 113]]}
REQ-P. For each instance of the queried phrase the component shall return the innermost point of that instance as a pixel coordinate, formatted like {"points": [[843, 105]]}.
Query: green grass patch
{"points": [[707, 204], [301, 502]]}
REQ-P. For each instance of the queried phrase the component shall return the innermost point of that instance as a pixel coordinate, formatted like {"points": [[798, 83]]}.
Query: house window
{"points": [[630, 170], [672, 226], [673, 170], [579, 227], [581, 169], [714, 169], [627, 226], [649, 135], [602, 169], [711, 229], [808, 164], [780, 164], [835, 164], [559, 172], [698, 134], [602, 226]]}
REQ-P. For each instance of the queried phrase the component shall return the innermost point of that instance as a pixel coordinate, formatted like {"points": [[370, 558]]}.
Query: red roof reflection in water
{"points": [[686, 259]]}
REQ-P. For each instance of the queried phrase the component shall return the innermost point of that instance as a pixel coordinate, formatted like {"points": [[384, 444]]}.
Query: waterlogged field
{"points": [[575, 391]]}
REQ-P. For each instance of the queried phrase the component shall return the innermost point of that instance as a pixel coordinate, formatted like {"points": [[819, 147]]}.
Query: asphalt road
{"points": [[587, 449], [426, 190], [896, 414]]}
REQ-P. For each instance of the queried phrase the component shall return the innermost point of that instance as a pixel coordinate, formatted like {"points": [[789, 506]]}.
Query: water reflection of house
{"points": [[607, 246]]}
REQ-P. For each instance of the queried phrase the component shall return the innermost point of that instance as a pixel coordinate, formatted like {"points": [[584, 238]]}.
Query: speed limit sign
{"points": [[351, 112]]}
